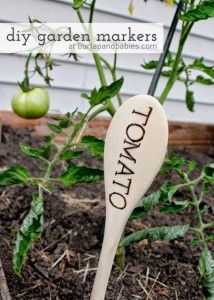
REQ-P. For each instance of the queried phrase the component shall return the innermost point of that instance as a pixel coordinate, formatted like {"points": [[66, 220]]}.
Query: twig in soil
{"points": [[6, 201], [155, 281], [143, 288], [147, 275], [86, 270], [65, 253], [89, 256], [120, 294], [55, 242], [36, 284], [123, 273], [4, 291]]}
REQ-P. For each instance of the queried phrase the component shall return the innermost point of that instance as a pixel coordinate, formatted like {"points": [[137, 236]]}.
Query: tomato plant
{"points": [[33, 104]]}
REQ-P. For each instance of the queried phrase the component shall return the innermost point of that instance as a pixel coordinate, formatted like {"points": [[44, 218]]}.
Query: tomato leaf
{"points": [[43, 152], [14, 175], [150, 65], [80, 174], [77, 4], [55, 128], [208, 172], [190, 102], [30, 230], [147, 203], [202, 11], [104, 93], [95, 145], [173, 164], [65, 123], [191, 165], [66, 120], [161, 233], [198, 64], [175, 207], [206, 271], [201, 79], [70, 154]]}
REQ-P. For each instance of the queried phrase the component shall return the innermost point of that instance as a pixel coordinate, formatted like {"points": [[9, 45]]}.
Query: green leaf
{"points": [[14, 175], [206, 271], [70, 154], [77, 4], [43, 152], [30, 230], [203, 80], [191, 166], [190, 102], [206, 186], [166, 73], [202, 11], [80, 174], [57, 117], [173, 164], [206, 264], [175, 207], [55, 128], [208, 172], [195, 242], [95, 145], [104, 93], [147, 203], [167, 191], [155, 234], [66, 121], [150, 65], [198, 64]]}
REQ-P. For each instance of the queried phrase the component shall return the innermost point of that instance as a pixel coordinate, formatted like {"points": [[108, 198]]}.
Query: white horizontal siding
{"points": [[71, 78]]}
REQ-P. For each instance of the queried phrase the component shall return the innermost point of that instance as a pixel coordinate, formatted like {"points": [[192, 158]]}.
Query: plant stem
{"points": [[96, 112], [60, 150], [173, 76], [99, 67], [120, 258], [25, 84], [201, 225], [109, 106]]}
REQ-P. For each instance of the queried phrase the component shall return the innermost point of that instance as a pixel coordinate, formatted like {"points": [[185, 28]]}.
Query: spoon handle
{"points": [[113, 231], [103, 271]]}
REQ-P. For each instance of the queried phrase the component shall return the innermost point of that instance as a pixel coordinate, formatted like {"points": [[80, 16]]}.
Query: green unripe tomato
{"points": [[31, 105]]}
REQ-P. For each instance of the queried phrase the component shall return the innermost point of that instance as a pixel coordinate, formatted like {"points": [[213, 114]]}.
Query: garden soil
{"points": [[62, 264]]}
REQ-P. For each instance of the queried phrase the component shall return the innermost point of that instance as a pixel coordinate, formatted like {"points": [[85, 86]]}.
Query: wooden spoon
{"points": [[135, 147]]}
